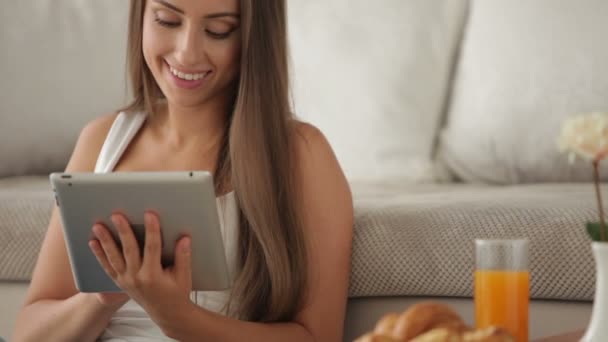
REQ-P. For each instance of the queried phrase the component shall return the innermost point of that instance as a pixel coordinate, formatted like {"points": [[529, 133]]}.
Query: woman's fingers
{"points": [[130, 248], [183, 262], [101, 257], [153, 244], [113, 255]]}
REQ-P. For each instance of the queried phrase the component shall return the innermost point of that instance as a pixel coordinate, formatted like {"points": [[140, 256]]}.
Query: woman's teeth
{"points": [[187, 77]]}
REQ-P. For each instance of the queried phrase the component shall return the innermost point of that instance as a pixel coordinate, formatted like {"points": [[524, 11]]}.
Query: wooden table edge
{"points": [[573, 336]]}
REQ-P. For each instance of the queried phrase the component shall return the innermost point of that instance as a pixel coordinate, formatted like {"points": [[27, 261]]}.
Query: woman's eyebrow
{"points": [[209, 16], [222, 14], [171, 6]]}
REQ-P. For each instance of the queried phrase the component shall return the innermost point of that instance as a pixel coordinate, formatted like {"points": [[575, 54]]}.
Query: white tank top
{"points": [[131, 322]]}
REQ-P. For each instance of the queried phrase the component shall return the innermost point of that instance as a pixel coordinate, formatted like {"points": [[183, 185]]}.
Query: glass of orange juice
{"points": [[502, 285]]}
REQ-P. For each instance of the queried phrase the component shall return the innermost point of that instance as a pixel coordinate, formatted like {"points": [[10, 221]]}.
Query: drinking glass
{"points": [[502, 285]]}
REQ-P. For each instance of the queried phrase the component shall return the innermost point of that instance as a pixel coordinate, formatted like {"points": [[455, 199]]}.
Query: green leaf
{"points": [[593, 229]]}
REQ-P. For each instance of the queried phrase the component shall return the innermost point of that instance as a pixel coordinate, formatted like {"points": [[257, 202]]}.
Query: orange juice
{"points": [[501, 299]]}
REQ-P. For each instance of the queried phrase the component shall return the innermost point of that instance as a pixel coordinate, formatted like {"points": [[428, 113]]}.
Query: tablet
{"points": [[184, 201]]}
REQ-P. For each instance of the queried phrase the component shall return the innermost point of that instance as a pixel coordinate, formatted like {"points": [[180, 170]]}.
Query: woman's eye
{"points": [[166, 23], [218, 35]]}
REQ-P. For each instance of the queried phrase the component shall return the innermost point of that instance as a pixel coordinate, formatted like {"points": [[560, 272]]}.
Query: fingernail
{"points": [[186, 245], [115, 219], [96, 229], [148, 218]]}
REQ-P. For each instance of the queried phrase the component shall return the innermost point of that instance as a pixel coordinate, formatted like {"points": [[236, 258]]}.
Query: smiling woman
{"points": [[198, 50], [210, 85]]}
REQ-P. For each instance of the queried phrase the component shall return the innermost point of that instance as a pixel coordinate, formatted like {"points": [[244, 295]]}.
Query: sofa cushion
{"points": [[374, 78], [63, 63], [25, 208], [419, 239], [525, 66], [409, 239]]}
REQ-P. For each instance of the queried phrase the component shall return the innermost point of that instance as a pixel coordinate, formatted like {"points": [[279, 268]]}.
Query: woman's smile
{"points": [[186, 79]]}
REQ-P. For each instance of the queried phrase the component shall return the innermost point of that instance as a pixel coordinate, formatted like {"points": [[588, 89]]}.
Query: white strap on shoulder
{"points": [[124, 128]]}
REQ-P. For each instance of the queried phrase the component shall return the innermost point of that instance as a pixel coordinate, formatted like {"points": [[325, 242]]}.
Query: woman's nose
{"points": [[189, 47]]}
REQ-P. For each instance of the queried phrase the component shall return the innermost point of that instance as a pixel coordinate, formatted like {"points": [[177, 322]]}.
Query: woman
{"points": [[211, 93]]}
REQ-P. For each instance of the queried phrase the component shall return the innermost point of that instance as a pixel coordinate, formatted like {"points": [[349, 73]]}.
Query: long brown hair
{"points": [[257, 157]]}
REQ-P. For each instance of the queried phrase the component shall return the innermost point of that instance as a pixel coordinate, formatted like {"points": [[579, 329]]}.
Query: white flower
{"points": [[585, 136]]}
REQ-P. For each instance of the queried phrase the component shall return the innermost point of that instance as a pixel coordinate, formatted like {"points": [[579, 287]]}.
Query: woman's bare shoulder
{"points": [[312, 146], [89, 143], [316, 159], [309, 136], [98, 128]]}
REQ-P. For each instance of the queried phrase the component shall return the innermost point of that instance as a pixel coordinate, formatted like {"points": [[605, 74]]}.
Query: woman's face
{"points": [[192, 48]]}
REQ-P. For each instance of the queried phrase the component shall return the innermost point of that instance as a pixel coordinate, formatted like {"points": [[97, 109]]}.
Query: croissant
{"points": [[430, 322]]}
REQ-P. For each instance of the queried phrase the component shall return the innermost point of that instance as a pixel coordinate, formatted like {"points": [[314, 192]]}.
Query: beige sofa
{"points": [[443, 114]]}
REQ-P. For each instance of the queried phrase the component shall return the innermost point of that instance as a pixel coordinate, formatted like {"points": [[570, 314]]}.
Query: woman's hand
{"points": [[159, 291], [112, 299]]}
